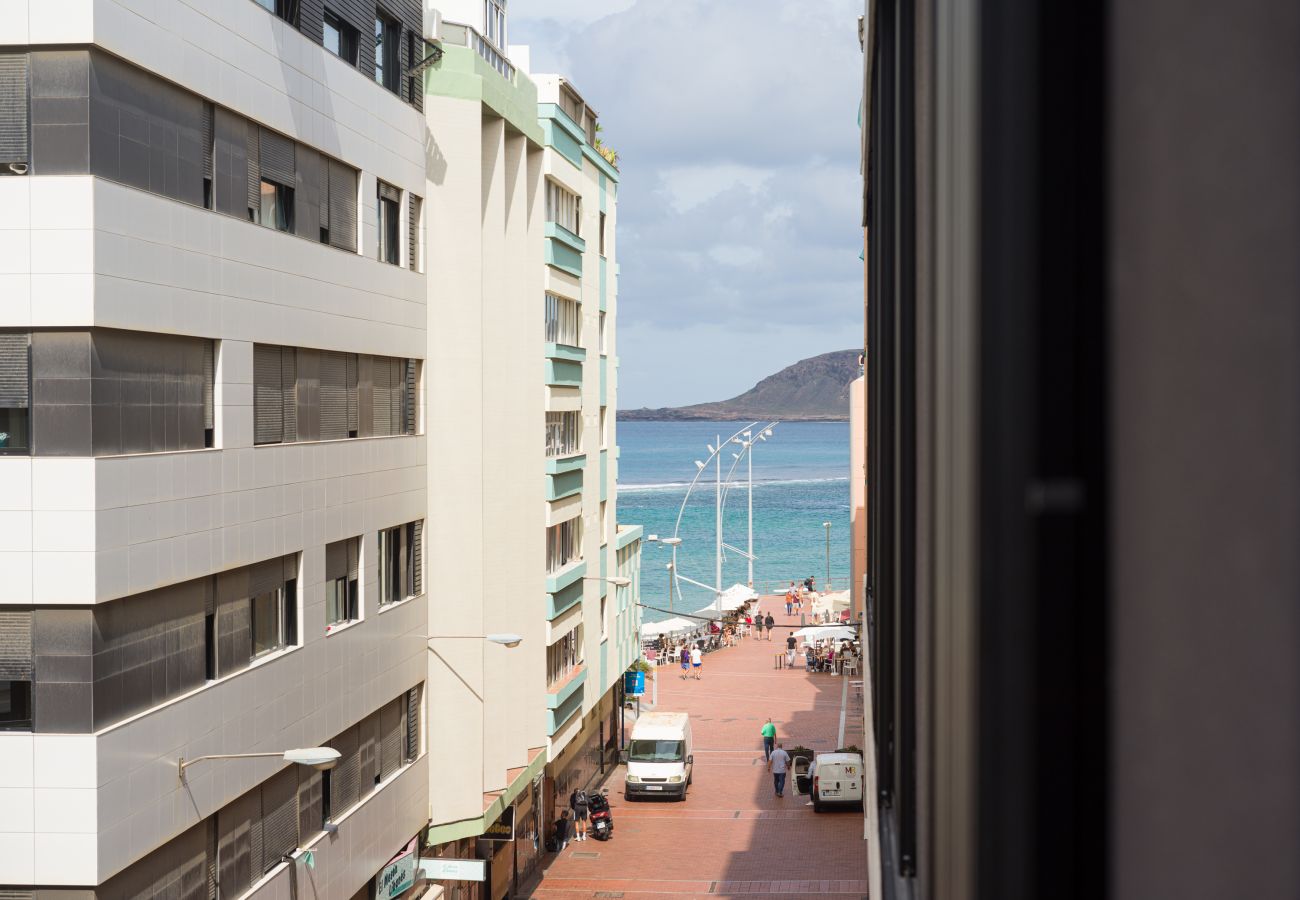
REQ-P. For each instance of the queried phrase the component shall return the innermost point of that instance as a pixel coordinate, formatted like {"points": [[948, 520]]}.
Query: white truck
{"points": [[660, 756]]}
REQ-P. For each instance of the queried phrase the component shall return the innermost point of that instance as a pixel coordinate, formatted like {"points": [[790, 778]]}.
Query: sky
{"points": [[739, 207]]}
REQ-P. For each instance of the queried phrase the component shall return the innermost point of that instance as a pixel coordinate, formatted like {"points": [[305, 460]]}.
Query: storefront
{"points": [[399, 879], [455, 888], [590, 755]]}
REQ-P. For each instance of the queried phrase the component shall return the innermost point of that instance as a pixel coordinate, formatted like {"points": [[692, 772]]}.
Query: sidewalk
{"points": [[732, 837]]}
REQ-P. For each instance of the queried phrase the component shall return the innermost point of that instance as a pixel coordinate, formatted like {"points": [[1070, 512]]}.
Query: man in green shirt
{"points": [[769, 738]]}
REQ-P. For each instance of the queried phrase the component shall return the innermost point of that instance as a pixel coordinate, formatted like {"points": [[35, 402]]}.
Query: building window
{"points": [[342, 584], [571, 105], [285, 9], [604, 347], [563, 321], [563, 544], [341, 38], [414, 216], [15, 392], [390, 205], [604, 427], [276, 208], [563, 657], [15, 705], [564, 208], [604, 619], [494, 23], [270, 621], [602, 234], [387, 64], [563, 433], [400, 562]]}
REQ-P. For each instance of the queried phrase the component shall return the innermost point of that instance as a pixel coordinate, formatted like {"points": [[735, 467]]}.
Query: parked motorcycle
{"points": [[602, 820]]}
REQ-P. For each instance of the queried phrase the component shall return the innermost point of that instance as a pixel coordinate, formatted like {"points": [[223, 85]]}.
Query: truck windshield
{"points": [[655, 751]]}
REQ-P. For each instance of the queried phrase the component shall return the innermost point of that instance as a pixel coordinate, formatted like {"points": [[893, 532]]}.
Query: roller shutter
{"points": [[268, 395], [311, 808], [343, 777], [279, 818], [388, 192], [354, 418], [417, 558], [392, 740], [412, 723], [289, 388], [14, 104], [276, 157], [368, 751], [209, 380], [333, 396], [16, 645], [206, 135], [414, 205], [14, 380], [251, 148], [382, 381], [409, 395], [239, 843], [343, 206]]}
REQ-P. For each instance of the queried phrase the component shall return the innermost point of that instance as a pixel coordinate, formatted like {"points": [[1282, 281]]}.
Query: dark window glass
{"points": [[16, 705], [266, 622], [276, 209], [387, 64], [388, 231], [340, 38], [285, 9]]}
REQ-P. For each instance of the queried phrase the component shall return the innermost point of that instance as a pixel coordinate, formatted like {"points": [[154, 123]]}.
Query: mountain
{"points": [[810, 390]]}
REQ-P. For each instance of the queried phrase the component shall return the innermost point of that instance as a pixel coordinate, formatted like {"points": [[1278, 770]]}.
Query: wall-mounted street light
{"points": [[318, 758], [506, 639], [616, 580]]}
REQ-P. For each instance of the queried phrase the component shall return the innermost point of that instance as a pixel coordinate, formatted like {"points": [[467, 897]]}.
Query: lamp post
{"points": [[672, 542], [318, 758], [506, 639], [827, 526]]}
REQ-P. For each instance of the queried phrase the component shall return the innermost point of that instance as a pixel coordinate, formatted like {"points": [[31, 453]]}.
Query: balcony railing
{"points": [[467, 36]]}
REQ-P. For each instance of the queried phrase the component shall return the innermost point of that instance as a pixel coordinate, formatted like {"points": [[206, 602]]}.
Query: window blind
{"points": [[412, 723], [14, 381], [342, 206], [279, 818], [268, 395], [354, 417], [409, 408], [388, 192], [13, 108], [251, 146], [311, 801], [391, 739], [333, 396], [289, 390], [368, 753], [206, 136], [417, 558], [382, 381], [16, 645], [276, 157], [414, 207]]}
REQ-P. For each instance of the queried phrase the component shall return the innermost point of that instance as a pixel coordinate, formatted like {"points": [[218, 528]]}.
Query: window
{"points": [[276, 209], [563, 544], [390, 204], [387, 64], [563, 321], [285, 9], [15, 705], [400, 561], [563, 433], [571, 105], [604, 427], [15, 392], [564, 208], [602, 234], [604, 621], [562, 657], [342, 592], [494, 22], [341, 38], [604, 522], [604, 347], [269, 618]]}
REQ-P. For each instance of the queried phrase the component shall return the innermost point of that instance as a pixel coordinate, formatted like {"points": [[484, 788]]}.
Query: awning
{"points": [[667, 626], [824, 632], [732, 599]]}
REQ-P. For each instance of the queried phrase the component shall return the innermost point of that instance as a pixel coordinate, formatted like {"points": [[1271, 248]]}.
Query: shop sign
{"points": [[634, 683], [503, 829], [396, 877], [453, 869]]}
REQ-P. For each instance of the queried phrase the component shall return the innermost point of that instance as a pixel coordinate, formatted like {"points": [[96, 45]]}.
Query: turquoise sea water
{"points": [[800, 481]]}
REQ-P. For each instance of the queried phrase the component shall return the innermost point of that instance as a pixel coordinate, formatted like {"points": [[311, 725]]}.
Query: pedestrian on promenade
{"points": [[789, 600], [790, 644], [758, 625], [768, 623], [778, 764], [768, 731], [697, 661], [686, 661], [578, 803]]}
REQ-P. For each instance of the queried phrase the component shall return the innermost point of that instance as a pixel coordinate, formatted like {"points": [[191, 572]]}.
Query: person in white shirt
{"points": [[697, 661], [779, 764]]}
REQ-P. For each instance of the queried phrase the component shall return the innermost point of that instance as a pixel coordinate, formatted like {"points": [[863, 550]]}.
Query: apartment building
{"points": [[592, 564], [212, 462]]}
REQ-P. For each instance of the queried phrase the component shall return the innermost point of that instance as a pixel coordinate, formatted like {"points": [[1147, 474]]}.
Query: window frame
{"points": [[349, 41], [563, 434], [283, 194], [562, 320], [27, 723], [388, 219], [388, 52], [278, 615], [396, 564]]}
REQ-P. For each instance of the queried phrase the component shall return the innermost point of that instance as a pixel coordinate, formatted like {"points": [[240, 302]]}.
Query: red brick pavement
{"points": [[732, 837]]}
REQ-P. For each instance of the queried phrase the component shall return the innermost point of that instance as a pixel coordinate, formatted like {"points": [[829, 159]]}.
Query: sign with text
{"points": [[503, 829], [396, 877], [634, 683], [453, 869]]}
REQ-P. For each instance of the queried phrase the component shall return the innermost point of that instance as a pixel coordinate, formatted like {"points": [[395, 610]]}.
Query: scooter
{"points": [[602, 820]]}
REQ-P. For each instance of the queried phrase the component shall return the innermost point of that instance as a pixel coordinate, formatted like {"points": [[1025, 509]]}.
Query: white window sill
{"points": [[331, 630]]}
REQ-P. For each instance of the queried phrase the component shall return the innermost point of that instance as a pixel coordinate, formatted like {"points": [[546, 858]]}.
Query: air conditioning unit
{"points": [[432, 24]]}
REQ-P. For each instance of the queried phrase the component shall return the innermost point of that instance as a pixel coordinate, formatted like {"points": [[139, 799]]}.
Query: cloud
{"points": [[740, 198]]}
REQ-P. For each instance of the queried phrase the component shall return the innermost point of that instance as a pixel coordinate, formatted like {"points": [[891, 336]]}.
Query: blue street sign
{"points": [[634, 683]]}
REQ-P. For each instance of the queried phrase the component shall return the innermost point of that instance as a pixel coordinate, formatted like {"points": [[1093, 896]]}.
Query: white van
{"points": [[836, 780], [659, 757]]}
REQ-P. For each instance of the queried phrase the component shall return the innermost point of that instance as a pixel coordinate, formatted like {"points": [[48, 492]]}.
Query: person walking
{"points": [[768, 731], [758, 625], [697, 661], [779, 764], [789, 600], [768, 623], [790, 644], [581, 811], [686, 661]]}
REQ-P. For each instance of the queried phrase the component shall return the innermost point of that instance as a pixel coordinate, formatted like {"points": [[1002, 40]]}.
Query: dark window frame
{"points": [[388, 51], [348, 41]]}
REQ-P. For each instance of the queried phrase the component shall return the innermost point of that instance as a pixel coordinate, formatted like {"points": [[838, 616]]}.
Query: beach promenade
{"points": [[732, 837]]}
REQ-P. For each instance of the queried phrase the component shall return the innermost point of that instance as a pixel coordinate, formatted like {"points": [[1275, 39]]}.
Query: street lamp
{"points": [[672, 542], [506, 639], [616, 580], [827, 526], [318, 758]]}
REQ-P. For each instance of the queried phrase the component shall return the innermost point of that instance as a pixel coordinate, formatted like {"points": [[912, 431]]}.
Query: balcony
{"points": [[466, 36]]}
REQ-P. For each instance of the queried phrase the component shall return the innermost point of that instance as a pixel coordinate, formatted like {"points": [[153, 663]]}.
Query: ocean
{"points": [[800, 481]]}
